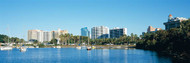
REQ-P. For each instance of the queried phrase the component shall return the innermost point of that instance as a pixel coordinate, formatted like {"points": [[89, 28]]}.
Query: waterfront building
{"points": [[47, 36], [85, 32], [173, 22], [44, 36], [118, 32], [35, 35], [151, 29], [99, 32]]}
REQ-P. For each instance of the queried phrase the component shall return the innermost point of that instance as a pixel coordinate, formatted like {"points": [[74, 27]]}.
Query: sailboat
{"points": [[8, 47], [88, 47], [79, 47]]}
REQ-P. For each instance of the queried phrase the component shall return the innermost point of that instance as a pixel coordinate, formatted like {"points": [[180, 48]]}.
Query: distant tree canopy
{"points": [[5, 38], [2, 38]]}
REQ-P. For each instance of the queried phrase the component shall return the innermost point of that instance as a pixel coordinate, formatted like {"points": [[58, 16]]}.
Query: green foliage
{"points": [[41, 45], [53, 41], [173, 41], [5, 38]]}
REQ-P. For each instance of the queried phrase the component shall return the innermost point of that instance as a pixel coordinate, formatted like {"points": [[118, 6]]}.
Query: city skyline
{"points": [[20, 16]]}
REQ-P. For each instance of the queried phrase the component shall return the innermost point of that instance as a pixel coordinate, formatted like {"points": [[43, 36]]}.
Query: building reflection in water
{"points": [[105, 56], [125, 54], [59, 55]]}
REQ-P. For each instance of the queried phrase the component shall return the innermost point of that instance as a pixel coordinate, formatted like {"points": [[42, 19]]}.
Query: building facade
{"points": [[44, 36], [99, 32], [118, 32], [173, 22], [35, 35], [151, 29], [85, 32]]}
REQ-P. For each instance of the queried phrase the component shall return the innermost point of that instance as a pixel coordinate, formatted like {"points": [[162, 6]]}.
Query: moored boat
{"points": [[58, 46], [6, 48], [78, 47], [23, 49], [89, 48]]}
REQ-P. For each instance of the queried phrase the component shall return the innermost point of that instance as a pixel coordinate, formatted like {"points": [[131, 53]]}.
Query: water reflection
{"points": [[72, 55], [106, 56]]}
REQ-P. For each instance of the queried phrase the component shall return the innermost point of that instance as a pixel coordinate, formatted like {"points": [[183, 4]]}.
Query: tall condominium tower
{"points": [[35, 35], [99, 32], [118, 32], [85, 32], [44, 36]]}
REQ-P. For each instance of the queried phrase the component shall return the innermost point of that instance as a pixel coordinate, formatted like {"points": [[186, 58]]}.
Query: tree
{"points": [[53, 41]]}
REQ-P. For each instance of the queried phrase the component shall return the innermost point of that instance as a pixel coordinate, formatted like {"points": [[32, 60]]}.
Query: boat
{"points": [[23, 49], [6, 48], [37, 46], [89, 48], [93, 47], [58, 47], [78, 47]]}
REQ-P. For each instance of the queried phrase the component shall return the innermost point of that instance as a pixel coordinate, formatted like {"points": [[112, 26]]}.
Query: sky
{"points": [[19, 16]]}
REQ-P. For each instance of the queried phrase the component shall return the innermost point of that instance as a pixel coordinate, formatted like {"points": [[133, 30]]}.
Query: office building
{"points": [[85, 32], [118, 32]]}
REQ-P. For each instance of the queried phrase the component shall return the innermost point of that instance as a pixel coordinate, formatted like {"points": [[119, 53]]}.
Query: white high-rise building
{"points": [[47, 36], [99, 32], [44, 36], [35, 35]]}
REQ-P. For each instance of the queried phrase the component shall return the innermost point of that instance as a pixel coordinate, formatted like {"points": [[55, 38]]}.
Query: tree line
{"points": [[6, 39], [175, 42], [67, 39]]}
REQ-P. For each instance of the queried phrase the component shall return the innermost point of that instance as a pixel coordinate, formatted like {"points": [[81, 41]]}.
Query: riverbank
{"points": [[96, 46]]}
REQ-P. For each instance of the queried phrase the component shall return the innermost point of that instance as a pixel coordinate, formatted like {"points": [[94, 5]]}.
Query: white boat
{"points": [[23, 49], [78, 47], [37, 46], [6, 48], [58, 46], [89, 48]]}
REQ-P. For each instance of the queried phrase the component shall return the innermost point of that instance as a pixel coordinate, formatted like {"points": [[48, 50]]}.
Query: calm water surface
{"points": [[73, 55]]}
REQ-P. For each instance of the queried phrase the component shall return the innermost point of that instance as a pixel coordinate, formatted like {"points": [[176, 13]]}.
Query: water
{"points": [[73, 55]]}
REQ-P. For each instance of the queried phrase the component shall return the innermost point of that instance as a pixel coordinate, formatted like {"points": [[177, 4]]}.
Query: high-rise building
{"points": [[173, 22], [118, 32], [99, 32], [85, 32], [35, 35], [47, 36], [56, 34], [44, 36], [151, 29]]}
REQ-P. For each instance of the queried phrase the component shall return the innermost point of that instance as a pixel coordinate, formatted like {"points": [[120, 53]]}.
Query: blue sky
{"points": [[136, 15]]}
